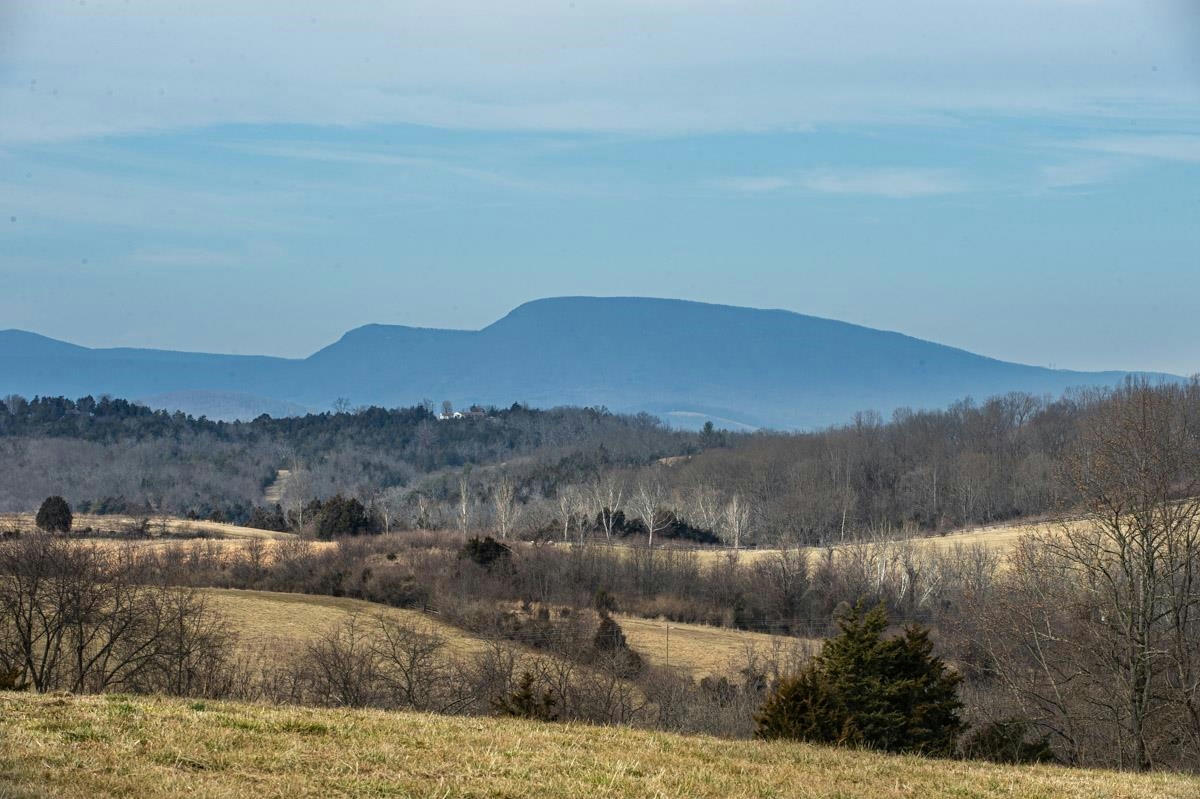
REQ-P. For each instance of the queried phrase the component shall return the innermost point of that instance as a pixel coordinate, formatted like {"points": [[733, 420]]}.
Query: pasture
{"points": [[84, 747]]}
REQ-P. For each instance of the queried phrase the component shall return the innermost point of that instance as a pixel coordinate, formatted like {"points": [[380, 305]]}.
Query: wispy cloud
{"points": [[1081, 172], [313, 152], [753, 185], [1170, 147], [891, 182], [675, 66], [340, 155], [117, 200], [186, 257], [896, 183]]}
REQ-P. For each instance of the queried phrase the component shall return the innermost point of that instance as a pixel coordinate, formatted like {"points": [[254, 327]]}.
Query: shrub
{"points": [[527, 702], [54, 516], [486, 552], [13, 680], [864, 690], [604, 602], [268, 519], [1006, 742]]}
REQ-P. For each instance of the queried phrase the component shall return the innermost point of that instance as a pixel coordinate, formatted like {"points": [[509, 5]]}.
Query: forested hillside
{"points": [[110, 455], [562, 472]]}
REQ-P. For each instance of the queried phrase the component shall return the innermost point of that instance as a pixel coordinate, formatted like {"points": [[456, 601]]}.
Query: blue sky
{"points": [[1020, 178]]}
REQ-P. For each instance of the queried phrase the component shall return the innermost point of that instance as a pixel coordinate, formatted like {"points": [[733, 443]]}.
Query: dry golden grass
{"points": [[1000, 537], [121, 746], [997, 537], [264, 619], [24, 522], [700, 649]]}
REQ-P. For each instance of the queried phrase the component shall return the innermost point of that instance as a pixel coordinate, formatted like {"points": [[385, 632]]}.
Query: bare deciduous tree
{"points": [[83, 617], [504, 504], [410, 664], [704, 506], [340, 667], [607, 494], [297, 491], [465, 504], [736, 519], [1107, 611], [648, 501], [567, 500]]}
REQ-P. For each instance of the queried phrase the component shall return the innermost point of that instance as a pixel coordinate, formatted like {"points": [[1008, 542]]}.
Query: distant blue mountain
{"points": [[684, 361]]}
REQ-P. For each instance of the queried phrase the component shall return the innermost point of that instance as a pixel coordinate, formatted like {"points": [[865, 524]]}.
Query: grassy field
{"points": [[23, 522], [699, 649], [264, 619], [999, 536], [996, 537], [120, 746]]}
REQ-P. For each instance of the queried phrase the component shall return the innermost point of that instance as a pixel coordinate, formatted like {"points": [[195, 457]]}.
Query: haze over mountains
{"points": [[687, 362]]}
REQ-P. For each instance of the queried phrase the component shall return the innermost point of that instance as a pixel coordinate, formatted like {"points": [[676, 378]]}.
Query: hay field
{"points": [[176, 527], [265, 619], [700, 649], [87, 747], [1000, 537]]}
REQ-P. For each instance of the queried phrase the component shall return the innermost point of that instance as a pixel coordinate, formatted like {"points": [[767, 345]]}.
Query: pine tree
{"points": [[612, 648], [609, 635], [340, 515], [864, 690], [54, 516], [526, 702]]}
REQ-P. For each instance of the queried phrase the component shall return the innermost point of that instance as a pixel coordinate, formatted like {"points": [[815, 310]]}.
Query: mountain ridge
{"points": [[683, 360]]}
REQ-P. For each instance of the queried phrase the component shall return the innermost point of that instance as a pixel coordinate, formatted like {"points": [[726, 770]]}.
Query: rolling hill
{"points": [[684, 361], [117, 745]]}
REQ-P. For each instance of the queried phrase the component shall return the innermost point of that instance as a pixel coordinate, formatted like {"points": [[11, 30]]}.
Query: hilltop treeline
{"points": [[927, 471], [111, 455], [566, 472], [921, 472]]}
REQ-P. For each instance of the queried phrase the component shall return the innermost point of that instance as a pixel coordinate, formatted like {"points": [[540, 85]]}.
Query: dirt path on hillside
{"points": [[274, 493]]}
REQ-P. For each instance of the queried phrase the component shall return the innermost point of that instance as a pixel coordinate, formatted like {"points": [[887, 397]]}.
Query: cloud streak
{"points": [[1081, 172], [335, 155], [1167, 147], [893, 183], [754, 185], [677, 66]]}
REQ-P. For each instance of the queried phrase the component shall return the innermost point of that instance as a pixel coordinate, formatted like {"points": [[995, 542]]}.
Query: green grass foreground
{"points": [[95, 746]]}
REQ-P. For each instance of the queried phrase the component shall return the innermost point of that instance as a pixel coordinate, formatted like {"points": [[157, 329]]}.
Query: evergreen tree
{"points": [[864, 690], [54, 516], [268, 519], [526, 702], [609, 635], [343, 516]]}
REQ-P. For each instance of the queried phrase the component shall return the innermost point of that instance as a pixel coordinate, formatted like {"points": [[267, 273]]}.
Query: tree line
{"points": [[112, 456], [567, 473]]}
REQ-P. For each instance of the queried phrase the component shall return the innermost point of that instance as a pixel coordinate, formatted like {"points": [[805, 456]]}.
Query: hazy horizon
{"points": [[1017, 178]]}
